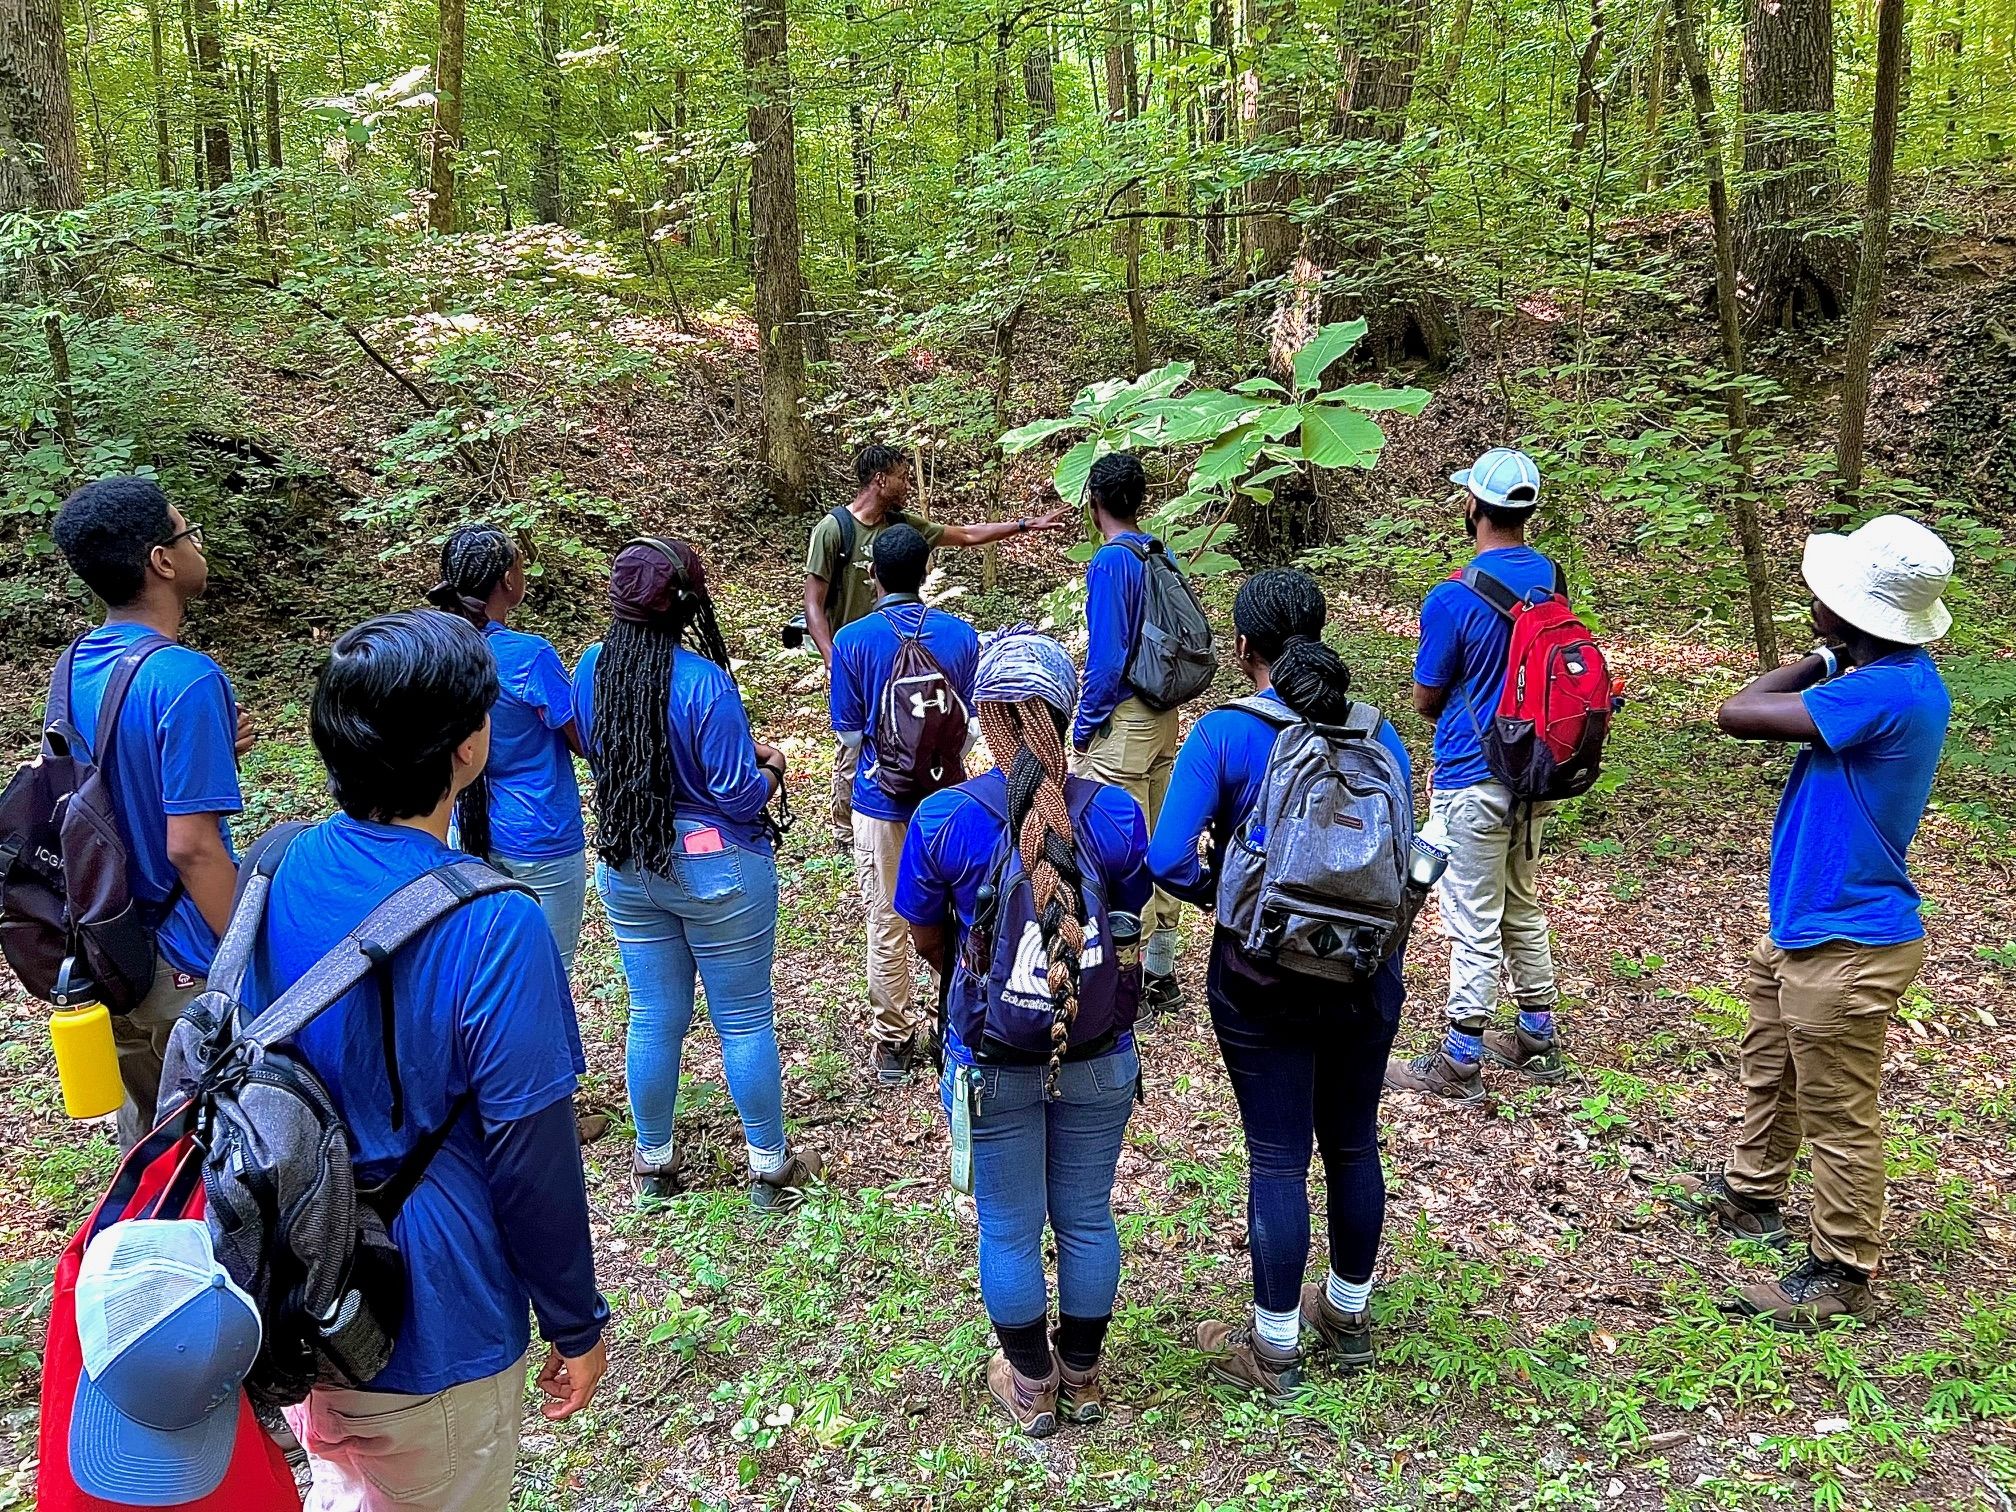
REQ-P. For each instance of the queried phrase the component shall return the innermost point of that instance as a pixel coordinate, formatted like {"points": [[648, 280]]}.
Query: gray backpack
{"points": [[1315, 880], [1173, 660], [288, 1217]]}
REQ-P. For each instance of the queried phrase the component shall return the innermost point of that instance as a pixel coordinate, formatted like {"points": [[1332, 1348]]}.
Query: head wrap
{"points": [[1018, 663], [648, 577]]}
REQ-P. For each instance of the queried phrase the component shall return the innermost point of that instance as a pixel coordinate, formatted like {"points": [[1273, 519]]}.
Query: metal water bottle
{"points": [[1428, 858], [80, 1032]]}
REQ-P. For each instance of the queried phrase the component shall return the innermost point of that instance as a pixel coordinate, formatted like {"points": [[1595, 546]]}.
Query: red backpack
{"points": [[1546, 738]]}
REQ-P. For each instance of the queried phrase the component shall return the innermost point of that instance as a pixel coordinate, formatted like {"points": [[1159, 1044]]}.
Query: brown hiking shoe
{"points": [[787, 1187], [1707, 1195], [1438, 1076], [1032, 1404], [1815, 1295], [1241, 1357], [652, 1184], [1535, 1059], [1079, 1397], [1346, 1336]]}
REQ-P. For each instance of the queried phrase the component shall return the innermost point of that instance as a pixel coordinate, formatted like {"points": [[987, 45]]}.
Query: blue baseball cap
{"points": [[167, 1339], [1502, 478]]}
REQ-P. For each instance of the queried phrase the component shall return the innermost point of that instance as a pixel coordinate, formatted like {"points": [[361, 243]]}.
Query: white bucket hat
{"points": [[1885, 578]]}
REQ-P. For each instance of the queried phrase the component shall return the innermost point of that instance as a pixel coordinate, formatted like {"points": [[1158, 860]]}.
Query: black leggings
{"points": [[1297, 1081]]}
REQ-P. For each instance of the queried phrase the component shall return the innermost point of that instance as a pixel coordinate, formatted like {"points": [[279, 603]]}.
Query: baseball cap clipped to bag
{"points": [[167, 1338]]}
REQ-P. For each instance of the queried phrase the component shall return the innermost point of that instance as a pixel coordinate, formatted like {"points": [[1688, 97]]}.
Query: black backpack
{"points": [[1173, 660], [287, 1218], [920, 724], [69, 923], [793, 633]]}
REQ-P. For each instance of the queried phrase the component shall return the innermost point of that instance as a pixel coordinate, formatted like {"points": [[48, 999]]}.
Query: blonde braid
{"points": [[1024, 741]]}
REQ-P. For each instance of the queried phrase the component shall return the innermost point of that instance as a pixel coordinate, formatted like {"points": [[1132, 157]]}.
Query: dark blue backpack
{"points": [[1003, 953]]}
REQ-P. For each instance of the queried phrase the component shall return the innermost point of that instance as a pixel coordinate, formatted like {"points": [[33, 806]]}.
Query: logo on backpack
{"points": [[1172, 660], [920, 724]]}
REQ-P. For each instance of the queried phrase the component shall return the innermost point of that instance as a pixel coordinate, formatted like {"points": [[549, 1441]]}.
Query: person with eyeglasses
{"points": [[173, 751]]}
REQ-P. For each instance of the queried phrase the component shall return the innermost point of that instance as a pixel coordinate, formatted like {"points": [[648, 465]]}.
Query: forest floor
{"points": [[1548, 1329]]}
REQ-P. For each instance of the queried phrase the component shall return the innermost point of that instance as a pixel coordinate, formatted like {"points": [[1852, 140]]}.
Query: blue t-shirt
{"points": [[863, 653], [176, 754], [951, 848], [535, 804], [1217, 779], [1115, 593], [481, 1007], [1852, 806], [1464, 642], [715, 778]]}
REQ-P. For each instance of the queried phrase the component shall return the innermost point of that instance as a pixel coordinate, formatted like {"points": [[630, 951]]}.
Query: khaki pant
{"points": [[892, 980], [141, 1038], [1490, 898], [1812, 1064], [374, 1451], [1136, 751], [845, 760]]}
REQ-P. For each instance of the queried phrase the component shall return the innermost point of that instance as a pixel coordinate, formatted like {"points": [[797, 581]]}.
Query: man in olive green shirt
{"points": [[884, 477]]}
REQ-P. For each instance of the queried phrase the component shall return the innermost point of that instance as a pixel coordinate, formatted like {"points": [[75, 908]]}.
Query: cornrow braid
{"points": [[1026, 744], [474, 561]]}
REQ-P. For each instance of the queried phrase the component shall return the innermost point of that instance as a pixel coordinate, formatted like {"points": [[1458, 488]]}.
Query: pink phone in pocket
{"points": [[702, 842]]}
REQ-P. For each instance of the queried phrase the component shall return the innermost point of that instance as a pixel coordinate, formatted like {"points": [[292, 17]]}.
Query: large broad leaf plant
{"points": [[1248, 437]]}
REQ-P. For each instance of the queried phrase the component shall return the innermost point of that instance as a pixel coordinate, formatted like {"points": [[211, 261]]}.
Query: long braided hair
{"points": [[1281, 613], [632, 738], [474, 561], [1026, 741]]}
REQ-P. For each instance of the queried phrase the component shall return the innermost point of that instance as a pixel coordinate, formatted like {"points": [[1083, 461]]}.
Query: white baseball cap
{"points": [[1886, 578]]}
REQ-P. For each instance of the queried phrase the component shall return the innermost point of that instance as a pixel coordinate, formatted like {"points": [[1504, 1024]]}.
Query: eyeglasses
{"points": [[193, 533]]}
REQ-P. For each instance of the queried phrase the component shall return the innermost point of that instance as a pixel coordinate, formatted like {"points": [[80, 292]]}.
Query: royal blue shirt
{"points": [[715, 778], [1217, 779], [1115, 594], [863, 653], [1464, 643], [535, 804], [176, 753], [481, 1008], [1852, 806], [950, 851]]}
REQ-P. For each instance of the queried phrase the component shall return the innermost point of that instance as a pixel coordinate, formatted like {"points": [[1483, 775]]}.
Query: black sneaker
{"points": [[1708, 1196], [892, 1062], [1161, 994]]}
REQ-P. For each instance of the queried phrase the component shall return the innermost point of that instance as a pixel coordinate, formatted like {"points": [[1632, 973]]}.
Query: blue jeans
{"points": [[714, 918], [1035, 1158], [562, 885]]}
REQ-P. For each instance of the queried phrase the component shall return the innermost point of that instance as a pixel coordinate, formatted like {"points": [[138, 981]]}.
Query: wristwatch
{"points": [[1022, 527], [1831, 662]]}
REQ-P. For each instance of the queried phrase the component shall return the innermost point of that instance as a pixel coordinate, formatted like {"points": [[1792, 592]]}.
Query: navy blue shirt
{"points": [[176, 754], [535, 803], [863, 653], [1115, 596], [1852, 806], [715, 776], [481, 1008], [1464, 643]]}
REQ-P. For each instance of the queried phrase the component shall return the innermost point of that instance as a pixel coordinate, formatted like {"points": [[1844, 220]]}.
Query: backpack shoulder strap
{"points": [[117, 686], [843, 522], [1272, 710], [1489, 589], [248, 906], [1560, 579], [1363, 721], [57, 712]]}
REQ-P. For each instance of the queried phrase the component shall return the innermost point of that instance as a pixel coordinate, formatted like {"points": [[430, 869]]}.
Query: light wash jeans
{"points": [[715, 919], [1490, 898], [562, 885]]}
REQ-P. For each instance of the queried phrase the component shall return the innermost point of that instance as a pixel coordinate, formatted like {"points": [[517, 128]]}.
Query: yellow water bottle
{"points": [[87, 1062]]}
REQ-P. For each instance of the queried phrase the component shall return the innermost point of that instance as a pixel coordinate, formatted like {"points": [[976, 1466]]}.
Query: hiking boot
{"points": [[1161, 994], [892, 1062], [1079, 1397], [1242, 1358], [1814, 1295], [1538, 1060], [1708, 1196], [787, 1187], [921, 1049], [1346, 1336], [1437, 1075], [653, 1184], [1032, 1404]]}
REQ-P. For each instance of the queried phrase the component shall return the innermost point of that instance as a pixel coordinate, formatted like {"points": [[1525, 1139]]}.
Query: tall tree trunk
{"points": [[272, 90], [1122, 104], [1792, 267], [547, 206], [861, 161], [38, 128], [1585, 79], [1655, 95], [1749, 532], [1216, 102], [444, 143], [212, 102], [1875, 248], [773, 220], [1039, 89], [1277, 122], [1452, 50], [164, 141], [679, 182]]}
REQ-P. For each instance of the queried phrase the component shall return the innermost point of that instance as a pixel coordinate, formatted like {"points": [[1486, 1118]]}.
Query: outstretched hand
{"points": [[1057, 519]]}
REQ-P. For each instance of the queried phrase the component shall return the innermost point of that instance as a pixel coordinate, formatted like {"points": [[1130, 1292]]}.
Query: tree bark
{"points": [[164, 141], [773, 221], [272, 90], [1278, 123], [445, 141], [1122, 104], [1655, 97], [1585, 79], [1875, 249], [1452, 50], [38, 127], [1792, 267], [861, 160], [212, 102], [1039, 88], [1216, 101], [547, 206]]}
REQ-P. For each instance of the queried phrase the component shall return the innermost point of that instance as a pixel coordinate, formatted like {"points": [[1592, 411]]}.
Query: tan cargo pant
{"points": [[141, 1038], [1812, 1064], [892, 978], [845, 760], [1135, 752], [1490, 898], [377, 1451]]}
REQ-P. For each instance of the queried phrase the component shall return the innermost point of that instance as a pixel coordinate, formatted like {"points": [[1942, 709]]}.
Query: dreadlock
{"points": [[632, 738], [474, 561], [1281, 614], [1026, 741]]}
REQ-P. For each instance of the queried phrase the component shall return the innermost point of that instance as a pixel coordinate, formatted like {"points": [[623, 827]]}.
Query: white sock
{"points": [[1348, 1296], [768, 1162], [1279, 1331], [657, 1155]]}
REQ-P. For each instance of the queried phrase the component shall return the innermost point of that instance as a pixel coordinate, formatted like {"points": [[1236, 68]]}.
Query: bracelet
{"points": [[1831, 662]]}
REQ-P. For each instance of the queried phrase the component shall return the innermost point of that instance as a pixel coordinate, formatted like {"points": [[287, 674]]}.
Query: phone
{"points": [[702, 842]]}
